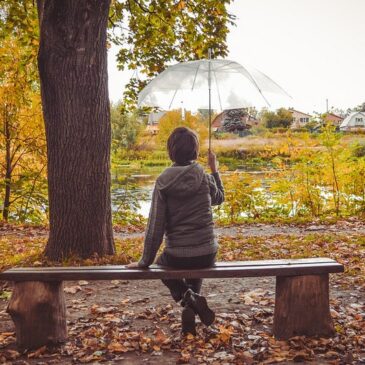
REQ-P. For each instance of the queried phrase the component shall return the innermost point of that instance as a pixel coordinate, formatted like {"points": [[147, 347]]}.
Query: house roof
{"points": [[347, 122], [335, 115], [297, 111], [217, 120]]}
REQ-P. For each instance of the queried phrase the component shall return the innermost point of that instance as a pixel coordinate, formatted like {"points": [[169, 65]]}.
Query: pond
{"points": [[257, 191], [132, 186]]}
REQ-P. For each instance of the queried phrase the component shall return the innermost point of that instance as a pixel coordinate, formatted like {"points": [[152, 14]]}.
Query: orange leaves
{"points": [[184, 358], [117, 347], [225, 334], [240, 336], [181, 5], [160, 337]]}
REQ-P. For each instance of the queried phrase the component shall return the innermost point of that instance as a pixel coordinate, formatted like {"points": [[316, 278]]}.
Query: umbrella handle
{"points": [[210, 130], [210, 97]]}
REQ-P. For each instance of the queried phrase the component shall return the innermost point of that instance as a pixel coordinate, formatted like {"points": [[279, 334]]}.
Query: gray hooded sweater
{"points": [[181, 209]]}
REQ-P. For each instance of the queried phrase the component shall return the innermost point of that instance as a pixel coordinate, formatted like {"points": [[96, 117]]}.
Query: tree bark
{"points": [[7, 166], [7, 196], [73, 71], [39, 313], [302, 307]]}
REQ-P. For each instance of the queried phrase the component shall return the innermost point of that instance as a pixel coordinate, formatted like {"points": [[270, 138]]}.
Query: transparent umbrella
{"points": [[210, 84]]}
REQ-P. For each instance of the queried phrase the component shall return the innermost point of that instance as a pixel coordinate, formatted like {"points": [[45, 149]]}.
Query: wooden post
{"points": [[39, 313], [302, 307]]}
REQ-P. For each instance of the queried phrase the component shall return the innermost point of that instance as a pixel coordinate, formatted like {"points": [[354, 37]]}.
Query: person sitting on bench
{"points": [[181, 209]]}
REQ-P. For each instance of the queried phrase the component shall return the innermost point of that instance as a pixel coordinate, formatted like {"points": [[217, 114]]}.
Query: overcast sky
{"points": [[314, 49]]}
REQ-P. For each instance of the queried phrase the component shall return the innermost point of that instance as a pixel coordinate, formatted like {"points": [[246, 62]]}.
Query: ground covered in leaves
{"points": [[136, 322]]}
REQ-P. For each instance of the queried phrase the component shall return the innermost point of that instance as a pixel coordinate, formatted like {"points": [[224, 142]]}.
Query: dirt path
{"points": [[261, 229], [254, 229]]}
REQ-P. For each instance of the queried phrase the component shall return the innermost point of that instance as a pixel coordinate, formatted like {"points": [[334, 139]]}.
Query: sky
{"points": [[314, 49]]}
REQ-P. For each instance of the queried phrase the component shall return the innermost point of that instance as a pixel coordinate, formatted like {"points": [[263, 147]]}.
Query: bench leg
{"points": [[302, 307], [38, 311]]}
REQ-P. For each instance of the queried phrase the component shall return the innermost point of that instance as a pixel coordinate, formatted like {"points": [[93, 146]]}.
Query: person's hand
{"points": [[212, 161], [133, 265]]}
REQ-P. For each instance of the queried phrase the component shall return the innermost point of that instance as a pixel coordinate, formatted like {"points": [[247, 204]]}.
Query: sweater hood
{"points": [[181, 180]]}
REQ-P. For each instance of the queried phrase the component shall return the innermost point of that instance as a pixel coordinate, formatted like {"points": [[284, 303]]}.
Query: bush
{"points": [[359, 150]]}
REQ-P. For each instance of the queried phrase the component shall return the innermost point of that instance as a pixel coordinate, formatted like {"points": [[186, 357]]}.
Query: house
{"points": [[333, 119], [354, 121], [152, 124], [300, 119], [233, 120], [217, 122]]}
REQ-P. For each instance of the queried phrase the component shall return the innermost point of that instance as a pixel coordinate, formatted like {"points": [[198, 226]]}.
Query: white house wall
{"points": [[353, 121]]}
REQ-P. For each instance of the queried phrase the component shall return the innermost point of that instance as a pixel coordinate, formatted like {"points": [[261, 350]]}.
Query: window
{"points": [[358, 121]]}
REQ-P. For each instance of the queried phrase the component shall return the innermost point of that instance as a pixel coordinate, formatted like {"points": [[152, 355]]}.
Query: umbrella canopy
{"points": [[231, 86]]}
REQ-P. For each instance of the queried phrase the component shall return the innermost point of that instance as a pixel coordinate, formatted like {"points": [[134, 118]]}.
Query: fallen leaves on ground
{"points": [[348, 249], [105, 332], [233, 339]]}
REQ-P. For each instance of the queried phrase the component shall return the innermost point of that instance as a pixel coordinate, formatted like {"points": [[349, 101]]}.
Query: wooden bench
{"points": [[37, 305]]}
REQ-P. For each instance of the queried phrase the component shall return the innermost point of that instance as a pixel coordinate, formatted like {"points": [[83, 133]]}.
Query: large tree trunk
{"points": [[73, 72], [39, 313]]}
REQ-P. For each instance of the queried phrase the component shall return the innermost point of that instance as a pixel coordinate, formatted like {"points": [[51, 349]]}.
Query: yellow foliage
{"points": [[172, 120], [22, 140]]}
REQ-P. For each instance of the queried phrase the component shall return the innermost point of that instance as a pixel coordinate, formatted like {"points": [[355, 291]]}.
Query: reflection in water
{"points": [[132, 187], [145, 208]]}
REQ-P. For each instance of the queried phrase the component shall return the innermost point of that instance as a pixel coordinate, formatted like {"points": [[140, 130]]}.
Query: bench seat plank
{"points": [[233, 269], [309, 261]]}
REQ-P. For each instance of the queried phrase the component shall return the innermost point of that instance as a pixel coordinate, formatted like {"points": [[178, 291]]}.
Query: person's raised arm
{"points": [[215, 182]]}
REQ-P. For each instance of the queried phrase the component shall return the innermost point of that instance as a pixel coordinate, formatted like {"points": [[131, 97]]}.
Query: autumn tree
{"points": [[73, 75], [360, 108], [126, 128], [282, 118], [22, 142], [173, 119], [152, 34]]}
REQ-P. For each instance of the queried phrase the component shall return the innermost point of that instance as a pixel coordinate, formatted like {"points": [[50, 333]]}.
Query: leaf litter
{"points": [[129, 322]]}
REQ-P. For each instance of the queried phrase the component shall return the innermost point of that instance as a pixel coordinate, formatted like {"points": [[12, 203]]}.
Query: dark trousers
{"points": [[179, 287]]}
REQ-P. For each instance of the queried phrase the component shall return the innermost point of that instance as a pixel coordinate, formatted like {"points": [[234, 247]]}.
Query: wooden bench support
{"points": [[302, 307], [39, 313]]}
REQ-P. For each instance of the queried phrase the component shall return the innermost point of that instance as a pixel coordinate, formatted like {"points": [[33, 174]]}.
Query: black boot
{"points": [[200, 306], [188, 320]]}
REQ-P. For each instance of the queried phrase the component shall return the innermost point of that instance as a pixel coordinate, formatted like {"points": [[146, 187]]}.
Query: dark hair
{"points": [[183, 145]]}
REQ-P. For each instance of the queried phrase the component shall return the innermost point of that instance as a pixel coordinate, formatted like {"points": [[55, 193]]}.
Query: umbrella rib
{"points": [[196, 74], [257, 86], [172, 100], [219, 95]]}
